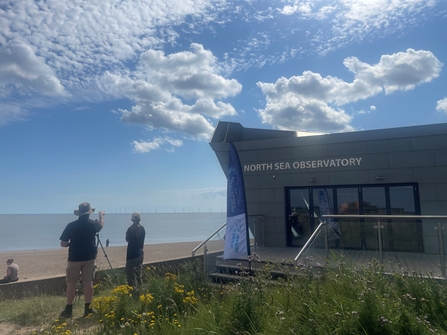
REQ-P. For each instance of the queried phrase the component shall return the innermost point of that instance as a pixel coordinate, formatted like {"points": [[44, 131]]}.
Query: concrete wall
{"points": [[56, 285]]}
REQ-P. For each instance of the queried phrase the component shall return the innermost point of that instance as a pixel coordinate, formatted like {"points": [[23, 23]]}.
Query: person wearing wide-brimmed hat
{"points": [[135, 235], [80, 238]]}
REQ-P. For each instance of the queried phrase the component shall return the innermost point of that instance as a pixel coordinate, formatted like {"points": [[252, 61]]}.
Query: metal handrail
{"points": [[255, 242], [338, 216], [379, 227], [310, 240], [209, 238]]}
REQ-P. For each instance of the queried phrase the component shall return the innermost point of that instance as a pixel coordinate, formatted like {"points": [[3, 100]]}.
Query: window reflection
{"points": [[299, 227], [351, 229], [304, 214]]}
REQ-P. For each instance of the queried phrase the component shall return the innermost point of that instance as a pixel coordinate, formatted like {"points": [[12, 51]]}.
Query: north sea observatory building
{"points": [[399, 171]]}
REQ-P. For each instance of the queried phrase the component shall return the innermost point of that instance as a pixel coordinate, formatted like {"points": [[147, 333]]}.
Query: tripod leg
{"points": [[78, 293], [105, 255]]}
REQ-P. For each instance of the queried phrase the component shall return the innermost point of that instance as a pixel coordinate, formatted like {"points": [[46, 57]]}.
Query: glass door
{"points": [[299, 226], [306, 206], [323, 204], [373, 203], [405, 235]]}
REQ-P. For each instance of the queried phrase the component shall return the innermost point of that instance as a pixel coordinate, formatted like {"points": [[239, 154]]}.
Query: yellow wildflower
{"points": [[146, 298]]}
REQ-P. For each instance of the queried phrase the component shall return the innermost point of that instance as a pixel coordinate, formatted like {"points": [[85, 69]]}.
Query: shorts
{"points": [[76, 270]]}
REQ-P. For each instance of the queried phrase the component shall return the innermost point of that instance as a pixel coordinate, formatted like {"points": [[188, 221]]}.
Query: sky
{"points": [[115, 102]]}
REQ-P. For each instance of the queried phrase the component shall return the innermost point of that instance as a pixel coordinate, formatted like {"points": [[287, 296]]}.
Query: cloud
{"points": [[354, 20], [197, 199], [21, 69], [311, 102], [180, 92], [83, 36], [145, 146], [10, 113], [399, 71], [441, 106], [199, 193], [55, 47], [99, 51]]}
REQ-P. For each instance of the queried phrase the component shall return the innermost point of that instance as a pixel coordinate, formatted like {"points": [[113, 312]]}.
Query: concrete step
{"points": [[230, 272]]}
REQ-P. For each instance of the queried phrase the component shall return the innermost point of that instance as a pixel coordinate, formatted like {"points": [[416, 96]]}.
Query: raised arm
{"points": [[101, 218]]}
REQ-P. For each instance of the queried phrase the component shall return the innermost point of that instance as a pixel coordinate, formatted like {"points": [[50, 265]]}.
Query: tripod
{"points": [[105, 254], [79, 288]]}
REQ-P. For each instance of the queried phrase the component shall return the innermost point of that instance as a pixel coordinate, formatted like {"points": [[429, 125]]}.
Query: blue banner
{"points": [[237, 237]]}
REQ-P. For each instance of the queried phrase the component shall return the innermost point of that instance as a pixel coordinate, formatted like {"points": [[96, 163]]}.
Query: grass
{"points": [[344, 300]]}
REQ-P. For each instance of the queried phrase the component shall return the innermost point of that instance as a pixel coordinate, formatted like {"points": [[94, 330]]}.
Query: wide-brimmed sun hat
{"points": [[84, 209], [136, 217]]}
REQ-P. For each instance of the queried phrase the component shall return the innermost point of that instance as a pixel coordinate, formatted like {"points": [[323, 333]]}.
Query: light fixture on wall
{"points": [[313, 180], [380, 177]]}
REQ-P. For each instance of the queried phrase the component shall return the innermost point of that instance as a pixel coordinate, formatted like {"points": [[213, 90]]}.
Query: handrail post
{"points": [[205, 250], [379, 236], [326, 241], [441, 247], [254, 231], [262, 232]]}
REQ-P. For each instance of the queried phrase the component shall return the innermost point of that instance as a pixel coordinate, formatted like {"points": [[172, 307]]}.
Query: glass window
{"points": [[402, 200], [351, 229], [305, 207], [374, 201]]}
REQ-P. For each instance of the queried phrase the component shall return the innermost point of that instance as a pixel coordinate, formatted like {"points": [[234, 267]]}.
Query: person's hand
{"points": [[101, 217]]}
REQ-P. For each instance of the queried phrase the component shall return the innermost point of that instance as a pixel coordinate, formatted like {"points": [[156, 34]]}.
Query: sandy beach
{"points": [[34, 264]]}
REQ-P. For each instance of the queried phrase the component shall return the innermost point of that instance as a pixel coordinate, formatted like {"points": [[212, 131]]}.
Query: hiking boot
{"points": [[66, 313], [87, 310]]}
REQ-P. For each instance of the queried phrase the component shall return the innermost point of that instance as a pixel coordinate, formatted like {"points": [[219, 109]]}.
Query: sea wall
{"points": [[56, 285]]}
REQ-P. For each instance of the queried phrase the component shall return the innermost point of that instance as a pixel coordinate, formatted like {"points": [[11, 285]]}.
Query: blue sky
{"points": [[114, 102]]}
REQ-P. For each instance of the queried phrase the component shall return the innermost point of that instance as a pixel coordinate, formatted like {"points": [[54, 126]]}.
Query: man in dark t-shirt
{"points": [[80, 238], [135, 235]]}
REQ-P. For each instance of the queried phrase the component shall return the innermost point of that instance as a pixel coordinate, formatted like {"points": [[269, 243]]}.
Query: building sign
{"points": [[311, 164]]}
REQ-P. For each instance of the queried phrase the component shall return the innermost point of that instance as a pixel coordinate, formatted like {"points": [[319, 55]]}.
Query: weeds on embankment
{"points": [[318, 301]]}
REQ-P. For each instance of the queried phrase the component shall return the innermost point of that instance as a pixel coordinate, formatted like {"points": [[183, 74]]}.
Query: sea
{"points": [[42, 231]]}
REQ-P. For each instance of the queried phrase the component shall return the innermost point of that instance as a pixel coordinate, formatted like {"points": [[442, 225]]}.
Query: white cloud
{"points": [[399, 71], [198, 199], [302, 7], [200, 193], [54, 47], [89, 50], [441, 106], [145, 146], [175, 92], [311, 102], [354, 20], [75, 35], [23, 70], [10, 113]]}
